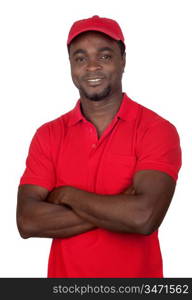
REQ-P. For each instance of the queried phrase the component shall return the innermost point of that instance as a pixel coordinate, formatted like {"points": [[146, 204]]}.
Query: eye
{"points": [[106, 57], [80, 59]]}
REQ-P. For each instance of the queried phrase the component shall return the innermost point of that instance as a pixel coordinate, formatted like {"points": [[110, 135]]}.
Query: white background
{"points": [[36, 87]]}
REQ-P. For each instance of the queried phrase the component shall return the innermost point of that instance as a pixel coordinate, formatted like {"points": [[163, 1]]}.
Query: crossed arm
{"points": [[67, 211]]}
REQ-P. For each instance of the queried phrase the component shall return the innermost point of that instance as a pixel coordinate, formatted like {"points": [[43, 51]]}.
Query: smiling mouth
{"points": [[94, 81]]}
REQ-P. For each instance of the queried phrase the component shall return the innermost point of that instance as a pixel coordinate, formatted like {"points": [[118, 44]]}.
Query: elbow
{"points": [[147, 229], [24, 228], [151, 223], [24, 235], [144, 223]]}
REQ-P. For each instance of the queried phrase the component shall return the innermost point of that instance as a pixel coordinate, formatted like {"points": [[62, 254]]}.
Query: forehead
{"points": [[93, 39]]}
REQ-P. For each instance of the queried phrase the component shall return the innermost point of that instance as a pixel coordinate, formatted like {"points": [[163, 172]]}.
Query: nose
{"points": [[93, 65]]}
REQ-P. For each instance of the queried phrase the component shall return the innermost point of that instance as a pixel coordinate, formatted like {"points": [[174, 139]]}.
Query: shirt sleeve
{"points": [[160, 150], [39, 165]]}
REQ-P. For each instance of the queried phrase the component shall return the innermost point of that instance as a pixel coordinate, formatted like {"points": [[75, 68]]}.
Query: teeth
{"points": [[94, 80]]}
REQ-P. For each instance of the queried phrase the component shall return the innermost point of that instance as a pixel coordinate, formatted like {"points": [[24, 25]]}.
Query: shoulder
{"points": [[54, 128], [143, 116], [150, 118], [147, 119], [154, 130], [150, 124]]}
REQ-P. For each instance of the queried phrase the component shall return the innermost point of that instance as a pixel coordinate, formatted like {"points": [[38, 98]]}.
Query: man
{"points": [[100, 178]]}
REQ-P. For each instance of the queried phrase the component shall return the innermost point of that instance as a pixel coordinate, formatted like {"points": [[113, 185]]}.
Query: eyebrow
{"points": [[81, 51], [106, 49]]}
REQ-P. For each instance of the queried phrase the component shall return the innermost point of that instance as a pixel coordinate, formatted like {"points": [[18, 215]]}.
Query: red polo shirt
{"points": [[67, 151]]}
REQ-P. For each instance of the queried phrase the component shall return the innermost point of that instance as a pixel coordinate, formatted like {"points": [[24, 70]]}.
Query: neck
{"points": [[102, 111]]}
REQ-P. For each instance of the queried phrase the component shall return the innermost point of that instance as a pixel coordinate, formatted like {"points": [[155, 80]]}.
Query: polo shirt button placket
{"points": [[92, 133]]}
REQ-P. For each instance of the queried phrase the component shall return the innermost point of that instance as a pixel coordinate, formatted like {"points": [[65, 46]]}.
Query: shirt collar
{"points": [[128, 109], [127, 112], [75, 115]]}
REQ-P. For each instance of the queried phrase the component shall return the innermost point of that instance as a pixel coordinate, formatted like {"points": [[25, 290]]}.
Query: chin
{"points": [[96, 96]]}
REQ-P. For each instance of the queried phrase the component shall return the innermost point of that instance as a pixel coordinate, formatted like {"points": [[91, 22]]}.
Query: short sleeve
{"points": [[160, 149], [39, 165]]}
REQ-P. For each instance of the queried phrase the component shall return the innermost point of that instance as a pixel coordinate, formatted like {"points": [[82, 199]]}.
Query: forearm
{"points": [[122, 212], [42, 219]]}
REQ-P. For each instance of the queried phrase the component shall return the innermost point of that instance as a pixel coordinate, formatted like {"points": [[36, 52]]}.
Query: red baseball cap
{"points": [[107, 26]]}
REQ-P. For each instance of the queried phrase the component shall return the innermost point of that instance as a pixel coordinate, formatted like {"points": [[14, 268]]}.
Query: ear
{"points": [[124, 60]]}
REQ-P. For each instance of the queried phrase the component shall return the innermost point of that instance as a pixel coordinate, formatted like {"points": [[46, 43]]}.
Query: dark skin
{"points": [[96, 67], [93, 55]]}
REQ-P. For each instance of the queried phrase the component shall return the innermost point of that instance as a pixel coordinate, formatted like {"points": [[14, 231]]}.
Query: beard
{"points": [[96, 96]]}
